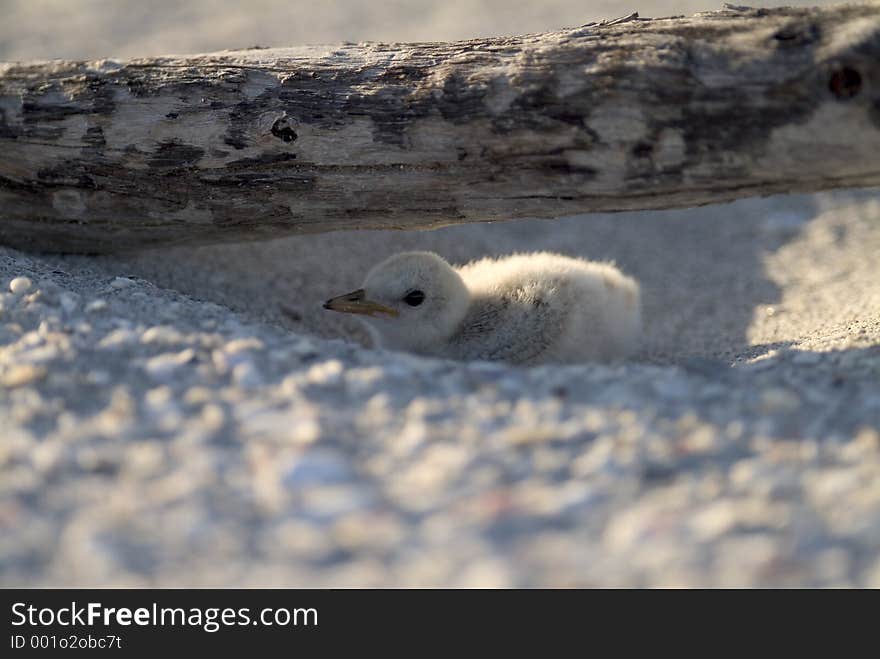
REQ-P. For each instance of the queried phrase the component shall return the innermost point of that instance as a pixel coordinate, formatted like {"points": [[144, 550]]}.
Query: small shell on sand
{"points": [[20, 285], [22, 374]]}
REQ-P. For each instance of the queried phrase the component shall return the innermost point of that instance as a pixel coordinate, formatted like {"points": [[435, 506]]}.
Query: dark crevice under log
{"points": [[640, 114]]}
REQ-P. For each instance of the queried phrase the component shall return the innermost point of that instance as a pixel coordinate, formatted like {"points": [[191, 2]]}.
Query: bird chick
{"points": [[522, 309]]}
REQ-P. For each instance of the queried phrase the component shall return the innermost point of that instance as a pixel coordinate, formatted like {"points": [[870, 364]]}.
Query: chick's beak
{"points": [[356, 302]]}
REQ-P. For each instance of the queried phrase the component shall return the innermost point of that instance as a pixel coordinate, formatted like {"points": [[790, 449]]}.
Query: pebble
{"points": [[122, 282], [20, 285], [164, 367], [22, 374], [325, 373], [213, 417], [95, 306], [119, 338], [162, 334]]}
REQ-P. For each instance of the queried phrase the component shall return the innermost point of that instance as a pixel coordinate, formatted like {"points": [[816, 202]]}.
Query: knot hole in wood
{"points": [[283, 129]]}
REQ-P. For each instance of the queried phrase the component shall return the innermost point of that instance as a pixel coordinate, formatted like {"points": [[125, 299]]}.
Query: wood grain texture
{"points": [[633, 114]]}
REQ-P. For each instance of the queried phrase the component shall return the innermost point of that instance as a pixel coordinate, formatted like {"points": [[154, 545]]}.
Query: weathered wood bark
{"points": [[636, 114]]}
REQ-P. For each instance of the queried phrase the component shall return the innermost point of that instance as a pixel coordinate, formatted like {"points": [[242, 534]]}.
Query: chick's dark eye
{"points": [[414, 298]]}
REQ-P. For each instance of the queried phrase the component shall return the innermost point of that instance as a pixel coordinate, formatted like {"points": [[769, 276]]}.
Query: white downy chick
{"points": [[522, 309]]}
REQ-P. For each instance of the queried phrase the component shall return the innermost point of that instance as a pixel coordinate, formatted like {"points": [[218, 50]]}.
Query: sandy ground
{"points": [[192, 416]]}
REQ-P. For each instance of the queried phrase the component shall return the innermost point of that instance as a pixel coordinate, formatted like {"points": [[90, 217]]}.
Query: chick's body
{"points": [[522, 309], [538, 308]]}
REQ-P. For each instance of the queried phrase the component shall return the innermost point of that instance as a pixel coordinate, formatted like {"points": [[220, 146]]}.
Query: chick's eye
{"points": [[414, 298]]}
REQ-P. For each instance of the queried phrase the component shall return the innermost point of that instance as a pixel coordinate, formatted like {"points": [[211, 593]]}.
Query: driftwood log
{"points": [[629, 114]]}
